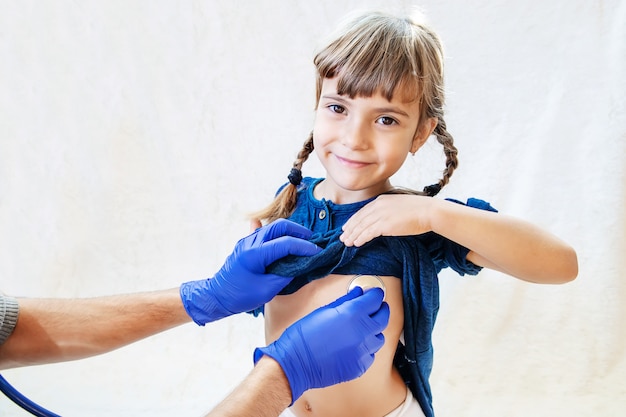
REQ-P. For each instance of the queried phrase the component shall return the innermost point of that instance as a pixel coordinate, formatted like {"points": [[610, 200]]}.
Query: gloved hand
{"points": [[333, 344], [241, 284]]}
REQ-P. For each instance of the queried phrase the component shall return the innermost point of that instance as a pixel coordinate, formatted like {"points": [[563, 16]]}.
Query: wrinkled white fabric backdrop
{"points": [[135, 137]]}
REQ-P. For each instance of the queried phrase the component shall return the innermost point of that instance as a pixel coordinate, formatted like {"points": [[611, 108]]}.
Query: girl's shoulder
{"points": [[475, 203], [305, 184]]}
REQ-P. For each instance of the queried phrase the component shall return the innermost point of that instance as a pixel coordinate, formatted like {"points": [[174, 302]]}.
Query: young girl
{"points": [[379, 97]]}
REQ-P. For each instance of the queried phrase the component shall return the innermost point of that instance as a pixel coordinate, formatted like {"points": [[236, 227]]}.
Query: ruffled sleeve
{"points": [[448, 254]]}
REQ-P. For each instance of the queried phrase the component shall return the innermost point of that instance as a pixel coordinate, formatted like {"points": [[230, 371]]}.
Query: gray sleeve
{"points": [[8, 316]]}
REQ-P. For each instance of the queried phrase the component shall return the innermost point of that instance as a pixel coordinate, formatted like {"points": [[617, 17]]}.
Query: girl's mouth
{"points": [[351, 163]]}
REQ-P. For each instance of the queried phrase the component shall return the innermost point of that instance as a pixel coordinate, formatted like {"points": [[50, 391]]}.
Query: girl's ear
{"points": [[424, 130], [255, 224]]}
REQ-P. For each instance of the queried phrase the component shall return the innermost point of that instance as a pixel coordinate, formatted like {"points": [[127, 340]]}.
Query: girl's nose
{"points": [[355, 136]]}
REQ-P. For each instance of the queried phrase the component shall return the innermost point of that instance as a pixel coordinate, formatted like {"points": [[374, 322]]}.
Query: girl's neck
{"points": [[327, 190]]}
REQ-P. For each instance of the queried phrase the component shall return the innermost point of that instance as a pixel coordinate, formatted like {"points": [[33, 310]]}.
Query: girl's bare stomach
{"points": [[381, 389]]}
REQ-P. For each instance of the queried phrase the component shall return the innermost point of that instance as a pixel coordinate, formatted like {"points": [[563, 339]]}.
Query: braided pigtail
{"points": [[285, 202], [446, 139]]}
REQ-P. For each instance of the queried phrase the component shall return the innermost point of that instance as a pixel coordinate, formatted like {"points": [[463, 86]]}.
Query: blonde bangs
{"points": [[378, 54]]}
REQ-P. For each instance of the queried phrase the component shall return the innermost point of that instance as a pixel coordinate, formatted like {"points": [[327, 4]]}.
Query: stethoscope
{"points": [[364, 281], [19, 399], [367, 282]]}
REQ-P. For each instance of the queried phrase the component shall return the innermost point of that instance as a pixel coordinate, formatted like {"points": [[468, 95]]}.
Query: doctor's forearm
{"points": [[264, 393], [54, 330]]}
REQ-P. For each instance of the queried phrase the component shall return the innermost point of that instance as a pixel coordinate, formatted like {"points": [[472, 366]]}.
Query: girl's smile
{"points": [[351, 163]]}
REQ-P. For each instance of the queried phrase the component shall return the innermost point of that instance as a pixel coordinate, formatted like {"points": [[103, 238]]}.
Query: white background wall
{"points": [[135, 136]]}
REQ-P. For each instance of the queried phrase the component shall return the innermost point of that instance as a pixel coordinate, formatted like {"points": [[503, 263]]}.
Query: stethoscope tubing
{"points": [[21, 400]]}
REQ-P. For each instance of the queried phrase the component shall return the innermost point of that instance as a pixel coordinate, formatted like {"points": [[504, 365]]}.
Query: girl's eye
{"points": [[387, 121], [336, 108]]}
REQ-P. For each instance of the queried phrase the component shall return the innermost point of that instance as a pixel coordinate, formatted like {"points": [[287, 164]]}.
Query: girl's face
{"points": [[363, 141]]}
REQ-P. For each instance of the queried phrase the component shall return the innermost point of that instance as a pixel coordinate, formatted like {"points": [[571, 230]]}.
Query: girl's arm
{"points": [[496, 241]]}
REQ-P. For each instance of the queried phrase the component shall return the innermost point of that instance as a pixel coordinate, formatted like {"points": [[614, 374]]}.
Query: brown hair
{"points": [[380, 53]]}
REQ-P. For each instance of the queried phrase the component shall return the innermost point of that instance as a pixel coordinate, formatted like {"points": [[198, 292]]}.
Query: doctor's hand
{"points": [[333, 344], [242, 284]]}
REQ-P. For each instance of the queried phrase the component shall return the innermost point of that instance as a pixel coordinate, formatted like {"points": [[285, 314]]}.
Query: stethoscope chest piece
{"points": [[366, 282]]}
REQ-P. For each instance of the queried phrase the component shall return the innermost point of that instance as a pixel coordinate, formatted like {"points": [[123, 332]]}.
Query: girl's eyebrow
{"points": [[335, 97], [390, 109]]}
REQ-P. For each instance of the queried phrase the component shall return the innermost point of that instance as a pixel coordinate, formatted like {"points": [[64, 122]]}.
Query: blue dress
{"points": [[416, 260]]}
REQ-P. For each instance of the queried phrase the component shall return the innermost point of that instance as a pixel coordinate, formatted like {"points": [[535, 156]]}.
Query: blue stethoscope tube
{"points": [[19, 399]]}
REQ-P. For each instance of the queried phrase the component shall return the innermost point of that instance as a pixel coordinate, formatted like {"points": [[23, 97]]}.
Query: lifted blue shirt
{"points": [[416, 260]]}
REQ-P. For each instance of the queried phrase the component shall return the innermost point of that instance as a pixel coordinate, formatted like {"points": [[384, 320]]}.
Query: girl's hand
{"points": [[388, 215]]}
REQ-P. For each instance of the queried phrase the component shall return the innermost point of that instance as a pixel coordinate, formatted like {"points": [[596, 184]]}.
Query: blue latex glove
{"points": [[241, 284], [333, 344]]}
